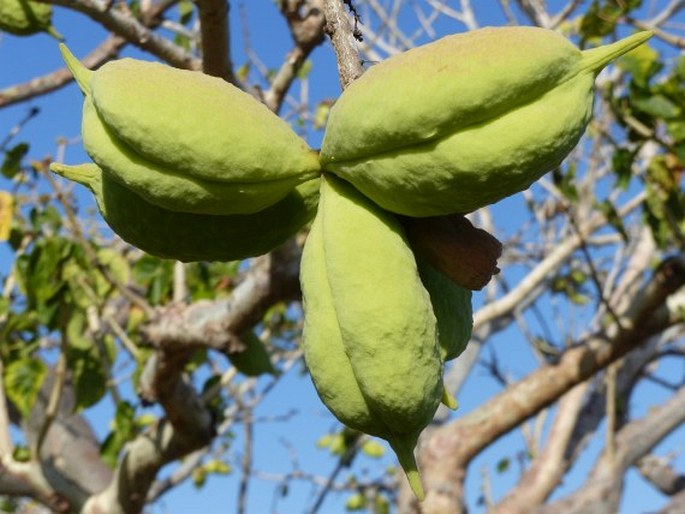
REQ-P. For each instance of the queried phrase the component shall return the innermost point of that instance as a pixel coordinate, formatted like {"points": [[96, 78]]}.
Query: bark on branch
{"points": [[449, 450]]}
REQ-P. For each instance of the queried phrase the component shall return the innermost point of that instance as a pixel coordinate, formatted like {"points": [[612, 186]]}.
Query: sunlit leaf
{"points": [[6, 211], [11, 165], [23, 379]]}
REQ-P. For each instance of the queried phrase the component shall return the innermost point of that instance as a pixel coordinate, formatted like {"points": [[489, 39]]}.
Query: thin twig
{"points": [[246, 465], [54, 399], [612, 423], [6, 446]]}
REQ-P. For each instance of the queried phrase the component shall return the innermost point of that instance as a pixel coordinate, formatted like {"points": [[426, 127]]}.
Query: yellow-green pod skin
{"points": [[25, 18], [194, 237], [454, 314], [187, 141], [370, 332], [465, 121], [452, 308]]}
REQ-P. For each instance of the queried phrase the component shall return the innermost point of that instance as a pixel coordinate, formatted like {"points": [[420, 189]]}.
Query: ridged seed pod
{"points": [[370, 332], [453, 311], [466, 120], [452, 308], [194, 237], [26, 18], [186, 141]]}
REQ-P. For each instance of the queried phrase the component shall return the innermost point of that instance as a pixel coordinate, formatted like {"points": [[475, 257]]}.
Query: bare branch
{"points": [[676, 505], [246, 465], [661, 475], [54, 399], [216, 43], [601, 492], [340, 31], [451, 447], [215, 325], [547, 469], [307, 30], [134, 32]]}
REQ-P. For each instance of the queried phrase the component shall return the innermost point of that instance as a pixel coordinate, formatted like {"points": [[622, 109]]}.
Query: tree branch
{"points": [[548, 468], [339, 30], [602, 490], [450, 448], [661, 475], [134, 32], [216, 43], [216, 324], [307, 31]]}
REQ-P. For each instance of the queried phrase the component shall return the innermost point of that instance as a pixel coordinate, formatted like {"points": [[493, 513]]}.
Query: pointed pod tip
{"points": [[596, 59], [53, 32], [404, 449], [85, 174], [81, 74], [448, 400]]}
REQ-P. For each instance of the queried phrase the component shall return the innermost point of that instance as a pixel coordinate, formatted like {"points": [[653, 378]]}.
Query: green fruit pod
{"points": [[194, 237], [453, 312], [369, 337], [26, 18], [465, 121], [452, 308], [188, 142]]}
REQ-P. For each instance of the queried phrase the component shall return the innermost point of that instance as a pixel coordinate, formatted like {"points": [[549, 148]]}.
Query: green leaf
{"points": [[123, 430], [23, 379], [88, 377], [21, 453], [199, 477], [304, 70], [185, 11], [218, 466], [155, 274], [503, 465], [676, 129], [679, 68], [321, 114], [657, 106], [254, 360], [243, 72], [642, 63], [614, 219], [13, 157], [679, 151], [565, 183], [356, 502], [118, 269], [622, 162], [601, 17], [325, 441], [182, 41], [381, 505], [373, 449]]}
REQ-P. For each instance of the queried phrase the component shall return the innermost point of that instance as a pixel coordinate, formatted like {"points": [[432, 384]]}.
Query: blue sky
{"points": [[23, 58]]}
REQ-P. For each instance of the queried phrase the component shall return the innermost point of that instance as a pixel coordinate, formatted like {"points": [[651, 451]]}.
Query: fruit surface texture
{"points": [[194, 237], [186, 141], [465, 121], [370, 335], [25, 18]]}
